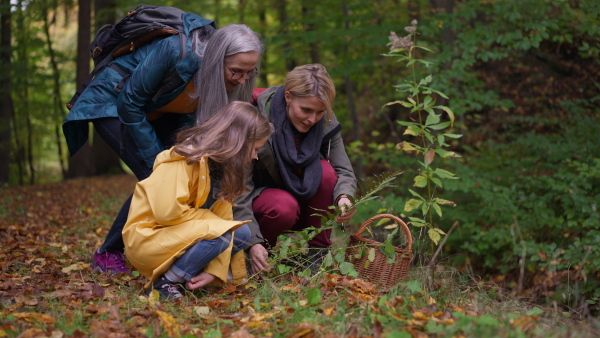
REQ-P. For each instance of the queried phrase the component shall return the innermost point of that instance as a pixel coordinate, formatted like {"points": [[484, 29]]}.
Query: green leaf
{"points": [[448, 111], [437, 92], [417, 222], [425, 81], [416, 194], [441, 173], [427, 100], [407, 124], [439, 126], [420, 181], [371, 256], [432, 119], [444, 202], [487, 320], [403, 103], [314, 296], [424, 48], [347, 269], [444, 153], [340, 257], [414, 286], [434, 235], [437, 181], [535, 311], [452, 135], [437, 209]]}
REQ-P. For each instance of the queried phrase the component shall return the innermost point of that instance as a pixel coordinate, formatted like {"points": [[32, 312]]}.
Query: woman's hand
{"points": [[258, 259], [203, 279], [347, 214]]}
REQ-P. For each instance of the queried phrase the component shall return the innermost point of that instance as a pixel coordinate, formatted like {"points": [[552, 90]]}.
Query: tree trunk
{"points": [[358, 166], [6, 111], [262, 29], [57, 107], [23, 136], [290, 62], [242, 9], [308, 16], [82, 164], [106, 161]]}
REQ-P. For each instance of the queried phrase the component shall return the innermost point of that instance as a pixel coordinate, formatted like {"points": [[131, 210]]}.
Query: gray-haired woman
{"points": [[141, 120]]}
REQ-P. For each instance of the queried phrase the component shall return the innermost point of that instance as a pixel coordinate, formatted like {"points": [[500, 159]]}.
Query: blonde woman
{"points": [[180, 230], [303, 168]]}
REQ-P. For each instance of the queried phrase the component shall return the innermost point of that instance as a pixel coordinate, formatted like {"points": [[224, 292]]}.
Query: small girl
{"points": [[180, 228]]}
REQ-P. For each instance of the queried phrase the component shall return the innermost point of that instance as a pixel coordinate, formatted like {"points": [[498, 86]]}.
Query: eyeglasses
{"points": [[238, 75]]}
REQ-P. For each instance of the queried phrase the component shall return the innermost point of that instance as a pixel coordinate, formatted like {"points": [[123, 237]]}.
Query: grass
{"points": [[40, 296]]}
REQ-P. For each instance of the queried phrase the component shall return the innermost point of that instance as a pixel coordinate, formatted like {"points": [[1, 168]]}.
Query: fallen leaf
{"points": [[168, 323], [75, 267], [33, 317]]}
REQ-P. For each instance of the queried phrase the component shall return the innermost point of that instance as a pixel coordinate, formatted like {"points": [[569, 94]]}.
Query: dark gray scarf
{"points": [[287, 157]]}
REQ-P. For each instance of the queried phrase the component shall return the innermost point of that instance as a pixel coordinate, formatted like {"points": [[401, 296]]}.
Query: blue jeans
{"points": [[193, 261], [110, 129]]}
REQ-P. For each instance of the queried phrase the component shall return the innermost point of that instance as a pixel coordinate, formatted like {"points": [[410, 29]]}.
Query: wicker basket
{"points": [[379, 271]]}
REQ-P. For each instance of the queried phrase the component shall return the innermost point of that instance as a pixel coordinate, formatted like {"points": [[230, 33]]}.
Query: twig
{"points": [[587, 252], [437, 252], [523, 255]]}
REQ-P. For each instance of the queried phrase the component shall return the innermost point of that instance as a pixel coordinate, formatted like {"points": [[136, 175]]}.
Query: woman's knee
{"points": [[277, 205]]}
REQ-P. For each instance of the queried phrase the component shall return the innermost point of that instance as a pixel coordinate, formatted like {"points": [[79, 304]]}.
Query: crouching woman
{"points": [[180, 230]]}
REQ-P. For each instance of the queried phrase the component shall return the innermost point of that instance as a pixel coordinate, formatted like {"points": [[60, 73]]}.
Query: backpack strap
{"points": [[172, 80]]}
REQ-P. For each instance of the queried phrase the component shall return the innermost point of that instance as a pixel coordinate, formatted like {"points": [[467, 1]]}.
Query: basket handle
{"points": [[392, 217]]}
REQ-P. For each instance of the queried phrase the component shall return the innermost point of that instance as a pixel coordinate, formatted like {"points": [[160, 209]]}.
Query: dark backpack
{"points": [[139, 27]]}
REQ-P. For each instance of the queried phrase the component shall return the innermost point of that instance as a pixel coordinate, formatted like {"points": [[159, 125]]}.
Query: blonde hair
{"points": [[227, 139], [311, 80]]}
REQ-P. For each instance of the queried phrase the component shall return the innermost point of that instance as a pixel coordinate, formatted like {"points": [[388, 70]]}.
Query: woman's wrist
{"points": [[337, 200]]}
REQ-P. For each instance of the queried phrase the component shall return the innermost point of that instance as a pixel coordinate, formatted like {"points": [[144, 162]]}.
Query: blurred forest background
{"points": [[523, 78]]}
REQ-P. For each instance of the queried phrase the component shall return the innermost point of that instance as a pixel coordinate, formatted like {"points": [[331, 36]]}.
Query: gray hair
{"points": [[209, 80]]}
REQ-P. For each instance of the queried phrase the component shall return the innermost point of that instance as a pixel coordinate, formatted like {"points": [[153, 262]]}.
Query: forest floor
{"points": [[47, 289]]}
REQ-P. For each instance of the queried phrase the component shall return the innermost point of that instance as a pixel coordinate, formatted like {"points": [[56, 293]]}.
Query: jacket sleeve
{"points": [[242, 211], [346, 183], [139, 89]]}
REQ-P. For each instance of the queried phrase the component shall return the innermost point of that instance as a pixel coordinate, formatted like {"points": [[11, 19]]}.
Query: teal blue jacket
{"points": [[147, 67]]}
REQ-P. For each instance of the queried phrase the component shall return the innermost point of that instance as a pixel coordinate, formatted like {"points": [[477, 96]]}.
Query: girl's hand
{"points": [[346, 215], [203, 279], [258, 259]]}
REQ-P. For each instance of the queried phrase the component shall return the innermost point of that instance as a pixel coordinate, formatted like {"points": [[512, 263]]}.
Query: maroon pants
{"points": [[277, 211]]}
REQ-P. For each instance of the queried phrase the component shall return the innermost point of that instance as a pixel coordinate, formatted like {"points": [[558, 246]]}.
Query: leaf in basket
{"points": [[366, 265], [371, 254], [348, 269], [391, 226], [412, 204]]}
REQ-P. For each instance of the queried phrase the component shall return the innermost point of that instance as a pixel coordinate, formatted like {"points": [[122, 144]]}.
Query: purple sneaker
{"points": [[109, 262]]}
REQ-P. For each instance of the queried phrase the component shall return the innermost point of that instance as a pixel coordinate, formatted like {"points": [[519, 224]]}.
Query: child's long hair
{"points": [[227, 139]]}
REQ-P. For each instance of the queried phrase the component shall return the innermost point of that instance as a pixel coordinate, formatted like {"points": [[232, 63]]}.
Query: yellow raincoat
{"points": [[165, 219]]}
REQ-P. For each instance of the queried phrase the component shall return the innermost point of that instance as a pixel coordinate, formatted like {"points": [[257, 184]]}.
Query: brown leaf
{"points": [[227, 290], [33, 317], [429, 156], [242, 333]]}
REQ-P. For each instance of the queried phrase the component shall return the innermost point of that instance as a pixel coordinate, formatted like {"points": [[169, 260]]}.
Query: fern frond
{"points": [[366, 190], [368, 187]]}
